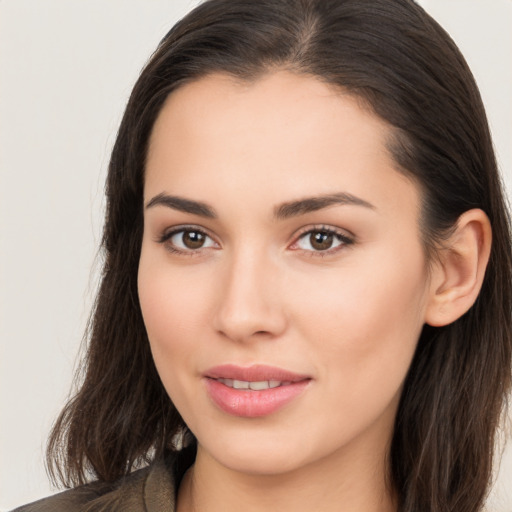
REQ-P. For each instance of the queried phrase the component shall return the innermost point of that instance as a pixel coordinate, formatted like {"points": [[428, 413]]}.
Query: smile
{"points": [[255, 391]]}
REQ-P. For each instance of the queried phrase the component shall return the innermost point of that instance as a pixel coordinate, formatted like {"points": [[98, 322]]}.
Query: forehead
{"points": [[299, 104], [283, 134]]}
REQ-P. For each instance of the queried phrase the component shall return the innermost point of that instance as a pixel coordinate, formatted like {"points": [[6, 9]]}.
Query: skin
{"points": [[257, 291]]}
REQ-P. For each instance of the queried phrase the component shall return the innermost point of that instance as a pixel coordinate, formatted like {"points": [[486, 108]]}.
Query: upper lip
{"points": [[254, 373]]}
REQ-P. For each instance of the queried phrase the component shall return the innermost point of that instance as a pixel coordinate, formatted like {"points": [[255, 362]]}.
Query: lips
{"points": [[255, 373], [253, 391]]}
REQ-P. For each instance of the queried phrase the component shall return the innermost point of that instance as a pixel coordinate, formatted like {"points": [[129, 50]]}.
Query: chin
{"points": [[251, 451]]}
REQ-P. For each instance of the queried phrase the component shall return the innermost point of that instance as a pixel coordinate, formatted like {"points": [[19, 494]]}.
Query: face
{"points": [[281, 253]]}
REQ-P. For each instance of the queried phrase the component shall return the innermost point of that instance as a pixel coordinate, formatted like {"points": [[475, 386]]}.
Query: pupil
{"points": [[193, 239], [321, 240]]}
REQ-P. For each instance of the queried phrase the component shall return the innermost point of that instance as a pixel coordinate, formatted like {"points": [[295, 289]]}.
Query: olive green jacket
{"points": [[151, 489]]}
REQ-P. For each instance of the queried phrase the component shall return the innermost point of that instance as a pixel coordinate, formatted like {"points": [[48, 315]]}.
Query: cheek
{"points": [[366, 320], [382, 290], [174, 310]]}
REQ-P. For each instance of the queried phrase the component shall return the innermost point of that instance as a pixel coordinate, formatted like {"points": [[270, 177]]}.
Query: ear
{"points": [[458, 274]]}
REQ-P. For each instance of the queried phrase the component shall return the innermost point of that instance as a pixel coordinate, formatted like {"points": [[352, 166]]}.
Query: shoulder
{"points": [[150, 489]]}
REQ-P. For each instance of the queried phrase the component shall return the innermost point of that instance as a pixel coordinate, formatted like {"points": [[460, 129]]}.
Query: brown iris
{"points": [[321, 240], [193, 239]]}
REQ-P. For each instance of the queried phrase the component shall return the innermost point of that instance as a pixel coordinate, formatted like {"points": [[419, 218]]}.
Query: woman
{"points": [[307, 276]]}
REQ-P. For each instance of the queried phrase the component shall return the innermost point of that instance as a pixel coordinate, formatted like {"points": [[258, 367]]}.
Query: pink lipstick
{"points": [[254, 391]]}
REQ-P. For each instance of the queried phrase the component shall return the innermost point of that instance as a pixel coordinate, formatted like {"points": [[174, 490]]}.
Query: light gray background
{"points": [[66, 69]]}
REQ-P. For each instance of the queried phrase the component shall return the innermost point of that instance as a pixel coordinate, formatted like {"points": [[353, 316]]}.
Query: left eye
{"points": [[321, 240], [190, 239]]}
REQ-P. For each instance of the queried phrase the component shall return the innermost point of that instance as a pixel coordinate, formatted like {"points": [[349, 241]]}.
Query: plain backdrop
{"points": [[66, 70]]}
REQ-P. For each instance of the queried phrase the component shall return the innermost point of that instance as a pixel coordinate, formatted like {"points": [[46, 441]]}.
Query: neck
{"points": [[348, 481]]}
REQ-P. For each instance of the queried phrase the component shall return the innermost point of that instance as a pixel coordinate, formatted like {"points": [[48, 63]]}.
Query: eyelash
{"points": [[344, 239], [166, 236]]}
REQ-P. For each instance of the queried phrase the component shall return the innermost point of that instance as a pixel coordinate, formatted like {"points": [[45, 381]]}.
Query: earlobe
{"points": [[458, 275]]}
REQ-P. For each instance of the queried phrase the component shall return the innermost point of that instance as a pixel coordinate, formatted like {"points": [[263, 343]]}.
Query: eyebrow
{"points": [[281, 212], [312, 204], [183, 205]]}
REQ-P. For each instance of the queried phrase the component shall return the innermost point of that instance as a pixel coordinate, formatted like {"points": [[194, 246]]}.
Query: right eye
{"points": [[187, 240]]}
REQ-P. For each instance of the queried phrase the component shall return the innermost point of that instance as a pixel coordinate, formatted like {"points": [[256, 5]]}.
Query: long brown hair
{"points": [[405, 67]]}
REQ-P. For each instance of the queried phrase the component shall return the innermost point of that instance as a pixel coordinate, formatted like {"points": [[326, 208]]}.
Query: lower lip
{"points": [[253, 404]]}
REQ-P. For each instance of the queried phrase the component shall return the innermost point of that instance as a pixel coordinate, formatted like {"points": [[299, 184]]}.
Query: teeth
{"points": [[257, 386], [254, 386], [240, 384]]}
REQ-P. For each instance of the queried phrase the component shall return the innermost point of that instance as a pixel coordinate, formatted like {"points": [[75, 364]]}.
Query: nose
{"points": [[250, 305]]}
